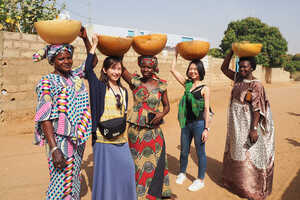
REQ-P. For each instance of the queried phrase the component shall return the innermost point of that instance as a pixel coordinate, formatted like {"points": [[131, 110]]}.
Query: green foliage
{"points": [[253, 30], [290, 67], [20, 15], [216, 52], [296, 57], [291, 63]]}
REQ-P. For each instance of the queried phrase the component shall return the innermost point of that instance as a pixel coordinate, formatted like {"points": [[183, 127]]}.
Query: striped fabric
{"points": [[66, 103]]}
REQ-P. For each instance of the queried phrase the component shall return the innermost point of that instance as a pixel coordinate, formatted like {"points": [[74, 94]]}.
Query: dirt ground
{"points": [[24, 172]]}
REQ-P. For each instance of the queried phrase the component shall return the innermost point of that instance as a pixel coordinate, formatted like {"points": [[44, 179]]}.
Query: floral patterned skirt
{"points": [[151, 167]]}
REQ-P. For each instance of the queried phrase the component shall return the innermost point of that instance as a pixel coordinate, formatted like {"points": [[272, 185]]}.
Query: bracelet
{"points": [[53, 149]]}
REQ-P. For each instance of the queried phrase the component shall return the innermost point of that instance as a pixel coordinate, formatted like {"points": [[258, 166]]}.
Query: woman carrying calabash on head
{"points": [[146, 139], [249, 152], [113, 165], [193, 116], [63, 119]]}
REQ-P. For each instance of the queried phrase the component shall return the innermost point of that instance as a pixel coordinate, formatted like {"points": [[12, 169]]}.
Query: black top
{"points": [[97, 92], [190, 116]]}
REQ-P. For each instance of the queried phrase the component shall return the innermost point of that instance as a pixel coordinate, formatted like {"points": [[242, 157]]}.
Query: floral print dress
{"points": [[147, 143]]}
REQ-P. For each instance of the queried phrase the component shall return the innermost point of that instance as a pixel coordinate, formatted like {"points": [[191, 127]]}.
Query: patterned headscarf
{"points": [[51, 51], [148, 61]]}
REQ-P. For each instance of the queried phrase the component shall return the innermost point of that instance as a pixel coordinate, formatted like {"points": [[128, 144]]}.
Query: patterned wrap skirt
{"points": [[65, 183], [151, 167]]}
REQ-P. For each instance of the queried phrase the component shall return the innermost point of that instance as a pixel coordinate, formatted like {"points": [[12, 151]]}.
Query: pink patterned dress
{"points": [[66, 103]]}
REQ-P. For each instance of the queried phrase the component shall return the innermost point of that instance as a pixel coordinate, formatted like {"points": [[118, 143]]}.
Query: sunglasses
{"points": [[118, 99]]}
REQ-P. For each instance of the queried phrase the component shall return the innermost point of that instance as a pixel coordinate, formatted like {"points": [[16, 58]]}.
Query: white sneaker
{"points": [[196, 185], [180, 178]]}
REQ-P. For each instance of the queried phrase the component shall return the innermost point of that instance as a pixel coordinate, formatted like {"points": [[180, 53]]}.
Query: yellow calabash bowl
{"points": [[149, 45], [191, 50], [113, 46], [58, 31], [246, 49]]}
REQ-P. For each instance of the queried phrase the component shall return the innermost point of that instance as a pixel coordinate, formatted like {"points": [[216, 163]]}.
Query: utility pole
{"points": [[90, 11]]}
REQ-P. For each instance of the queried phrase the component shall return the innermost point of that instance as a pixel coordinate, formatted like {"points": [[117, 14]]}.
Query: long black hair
{"points": [[200, 68], [108, 62]]}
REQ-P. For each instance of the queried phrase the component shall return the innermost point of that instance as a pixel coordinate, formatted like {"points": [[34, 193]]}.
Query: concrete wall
{"points": [[19, 76]]}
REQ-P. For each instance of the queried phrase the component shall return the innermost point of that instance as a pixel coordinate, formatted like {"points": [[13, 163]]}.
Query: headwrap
{"points": [[148, 61], [50, 51]]}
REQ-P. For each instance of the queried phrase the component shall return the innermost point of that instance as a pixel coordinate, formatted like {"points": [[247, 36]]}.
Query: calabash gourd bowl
{"points": [[149, 45], [58, 31], [191, 50], [113, 46], [246, 49]]}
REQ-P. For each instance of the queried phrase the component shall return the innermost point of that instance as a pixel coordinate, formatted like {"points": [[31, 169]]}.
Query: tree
{"points": [[253, 30], [296, 57], [20, 15], [216, 52], [291, 63]]}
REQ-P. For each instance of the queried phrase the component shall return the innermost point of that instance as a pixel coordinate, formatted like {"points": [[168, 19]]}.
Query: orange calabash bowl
{"points": [[246, 49], [149, 45], [58, 31], [113, 46], [191, 50]]}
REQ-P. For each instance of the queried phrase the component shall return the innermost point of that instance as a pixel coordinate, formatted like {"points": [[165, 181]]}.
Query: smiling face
{"points": [[63, 62], [193, 72], [114, 72], [147, 71], [245, 68]]}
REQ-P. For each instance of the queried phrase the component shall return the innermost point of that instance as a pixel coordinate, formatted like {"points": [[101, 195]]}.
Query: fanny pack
{"points": [[113, 128]]}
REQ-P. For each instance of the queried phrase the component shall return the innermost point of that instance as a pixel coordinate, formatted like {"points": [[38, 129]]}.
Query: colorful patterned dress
{"points": [[65, 103], [147, 144], [248, 168]]}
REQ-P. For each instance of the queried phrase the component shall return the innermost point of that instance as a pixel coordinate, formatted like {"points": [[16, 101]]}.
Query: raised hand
{"points": [[83, 33]]}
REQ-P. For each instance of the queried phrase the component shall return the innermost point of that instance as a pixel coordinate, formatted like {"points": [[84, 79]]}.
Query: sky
{"points": [[205, 19]]}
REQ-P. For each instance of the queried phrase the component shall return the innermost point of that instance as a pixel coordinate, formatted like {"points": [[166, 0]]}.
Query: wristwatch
{"points": [[207, 129]]}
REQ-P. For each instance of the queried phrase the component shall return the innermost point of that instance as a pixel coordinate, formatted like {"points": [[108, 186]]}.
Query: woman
{"points": [[113, 164], [249, 152], [63, 119], [146, 139], [193, 116]]}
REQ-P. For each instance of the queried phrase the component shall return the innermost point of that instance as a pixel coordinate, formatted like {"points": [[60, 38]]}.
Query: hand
{"points": [[95, 39], [59, 160], [204, 135], [83, 33], [158, 117], [253, 136]]}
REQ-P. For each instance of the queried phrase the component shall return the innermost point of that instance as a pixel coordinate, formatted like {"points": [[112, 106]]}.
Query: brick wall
{"points": [[19, 75]]}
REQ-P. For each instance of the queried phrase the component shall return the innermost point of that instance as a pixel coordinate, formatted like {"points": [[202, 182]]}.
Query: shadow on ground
{"points": [[87, 182], [293, 142], [294, 114], [213, 169], [293, 192]]}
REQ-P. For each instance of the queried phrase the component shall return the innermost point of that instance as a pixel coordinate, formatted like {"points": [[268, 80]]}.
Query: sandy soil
{"points": [[24, 172]]}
